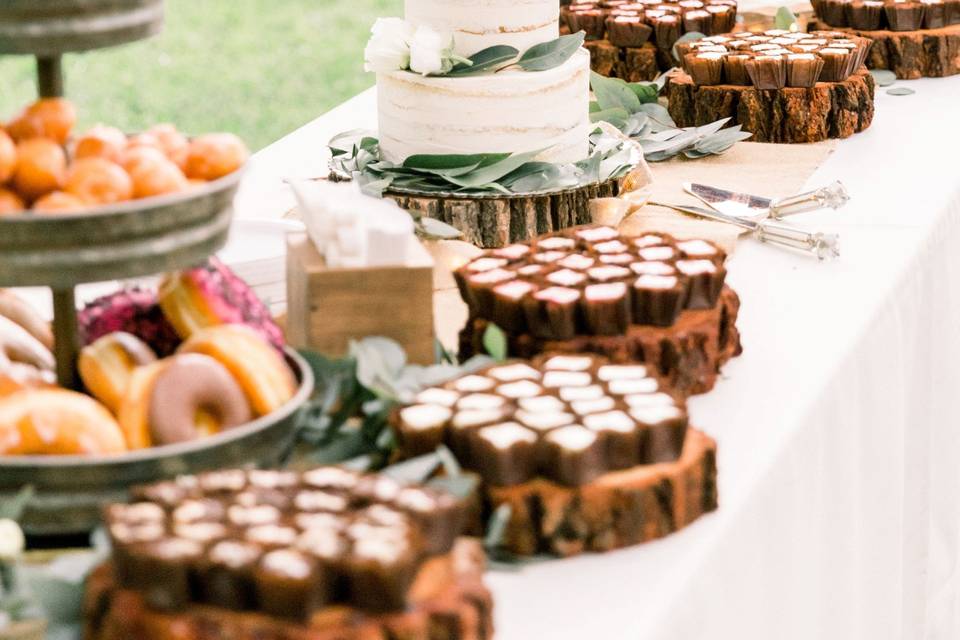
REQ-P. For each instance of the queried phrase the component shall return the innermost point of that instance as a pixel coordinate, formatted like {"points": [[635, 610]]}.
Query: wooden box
{"points": [[329, 307]]}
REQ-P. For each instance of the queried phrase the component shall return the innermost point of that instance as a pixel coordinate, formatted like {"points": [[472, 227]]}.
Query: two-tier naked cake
{"points": [[511, 111]]}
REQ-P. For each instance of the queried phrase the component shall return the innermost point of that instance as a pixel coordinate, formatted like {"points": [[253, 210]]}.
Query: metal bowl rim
{"points": [[172, 450], [141, 205]]}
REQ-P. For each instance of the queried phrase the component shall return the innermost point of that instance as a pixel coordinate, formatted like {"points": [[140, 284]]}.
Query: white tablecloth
{"points": [[838, 428]]}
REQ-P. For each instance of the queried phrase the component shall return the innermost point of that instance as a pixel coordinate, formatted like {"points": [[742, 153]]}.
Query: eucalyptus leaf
{"points": [[900, 91], [690, 36], [379, 361], [13, 508], [617, 117], [437, 229], [461, 486], [415, 470], [883, 77], [451, 466], [658, 114], [614, 93], [484, 61], [491, 173], [453, 161], [645, 91], [497, 527], [548, 55], [785, 19], [495, 342], [347, 141]]}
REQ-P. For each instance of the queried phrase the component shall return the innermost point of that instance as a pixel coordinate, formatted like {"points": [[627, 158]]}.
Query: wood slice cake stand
{"points": [[633, 64], [492, 222], [828, 110], [451, 603], [687, 355], [618, 509], [927, 53]]}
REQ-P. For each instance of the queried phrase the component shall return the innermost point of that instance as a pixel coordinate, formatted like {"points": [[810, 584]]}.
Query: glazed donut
{"points": [[179, 399], [17, 309], [18, 345], [132, 310], [57, 422], [17, 376], [265, 378], [106, 366], [212, 295], [188, 393]]}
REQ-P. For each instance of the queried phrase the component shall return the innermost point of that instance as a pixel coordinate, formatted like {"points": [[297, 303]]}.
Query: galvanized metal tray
{"points": [[70, 490], [126, 240], [48, 28]]}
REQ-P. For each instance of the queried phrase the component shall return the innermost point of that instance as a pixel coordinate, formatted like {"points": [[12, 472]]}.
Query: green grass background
{"points": [[258, 68]]}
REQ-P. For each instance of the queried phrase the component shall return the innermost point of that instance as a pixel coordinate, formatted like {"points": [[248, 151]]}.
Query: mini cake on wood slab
{"points": [[327, 553], [649, 299], [781, 86], [633, 40], [589, 455], [923, 53]]}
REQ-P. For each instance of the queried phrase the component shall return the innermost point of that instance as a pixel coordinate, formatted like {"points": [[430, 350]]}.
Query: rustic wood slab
{"points": [[827, 110], [633, 64], [616, 510], [927, 53], [454, 605], [686, 356], [495, 222]]}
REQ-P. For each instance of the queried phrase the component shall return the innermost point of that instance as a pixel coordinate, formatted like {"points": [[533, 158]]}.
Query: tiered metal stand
{"points": [[127, 240]]}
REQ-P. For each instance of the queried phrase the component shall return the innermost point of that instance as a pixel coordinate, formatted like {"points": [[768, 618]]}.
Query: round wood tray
{"points": [[70, 490], [495, 221], [927, 53], [827, 110], [51, 27]]}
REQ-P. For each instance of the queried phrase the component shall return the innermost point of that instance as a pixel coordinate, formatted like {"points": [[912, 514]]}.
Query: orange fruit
{"points": [[144, 140], [10, 202], [173, 143], [214, 155], [46, 118], [135, 155], [8, 156], [58, 202], [98, 181], [41, 167], [154, 177], [101, 142]]}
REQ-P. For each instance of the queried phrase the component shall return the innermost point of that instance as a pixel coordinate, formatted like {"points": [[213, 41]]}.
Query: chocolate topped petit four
{"points": [[335, 537], [575, 418], [589, 281]]}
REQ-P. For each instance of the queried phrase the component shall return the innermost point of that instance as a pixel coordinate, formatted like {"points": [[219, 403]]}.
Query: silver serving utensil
{"points": [[822, 245], [745, 205]]}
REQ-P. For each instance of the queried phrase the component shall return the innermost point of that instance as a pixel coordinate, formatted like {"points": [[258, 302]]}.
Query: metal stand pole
{"points": [[66, 345], [50, 76]]}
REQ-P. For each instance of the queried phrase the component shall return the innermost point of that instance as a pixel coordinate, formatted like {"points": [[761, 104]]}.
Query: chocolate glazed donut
{"points": [[190, 383]]}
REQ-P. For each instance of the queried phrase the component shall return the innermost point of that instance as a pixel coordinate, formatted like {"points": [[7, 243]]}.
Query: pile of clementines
{"points": [[43, 169]]}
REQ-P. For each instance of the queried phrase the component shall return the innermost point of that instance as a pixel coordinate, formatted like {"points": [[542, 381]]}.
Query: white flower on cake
{"points": [[431, 51], [389, 46]]}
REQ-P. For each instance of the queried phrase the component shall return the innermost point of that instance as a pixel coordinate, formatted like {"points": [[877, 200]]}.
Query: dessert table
{"points": [[839, 496]]}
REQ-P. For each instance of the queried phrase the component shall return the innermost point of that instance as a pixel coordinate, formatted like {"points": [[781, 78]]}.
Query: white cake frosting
{"points": [[478, 24], [512, 111]]}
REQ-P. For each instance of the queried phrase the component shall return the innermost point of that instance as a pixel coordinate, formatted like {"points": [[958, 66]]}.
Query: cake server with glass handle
{"points": [[822, 245], [745, 205]]}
